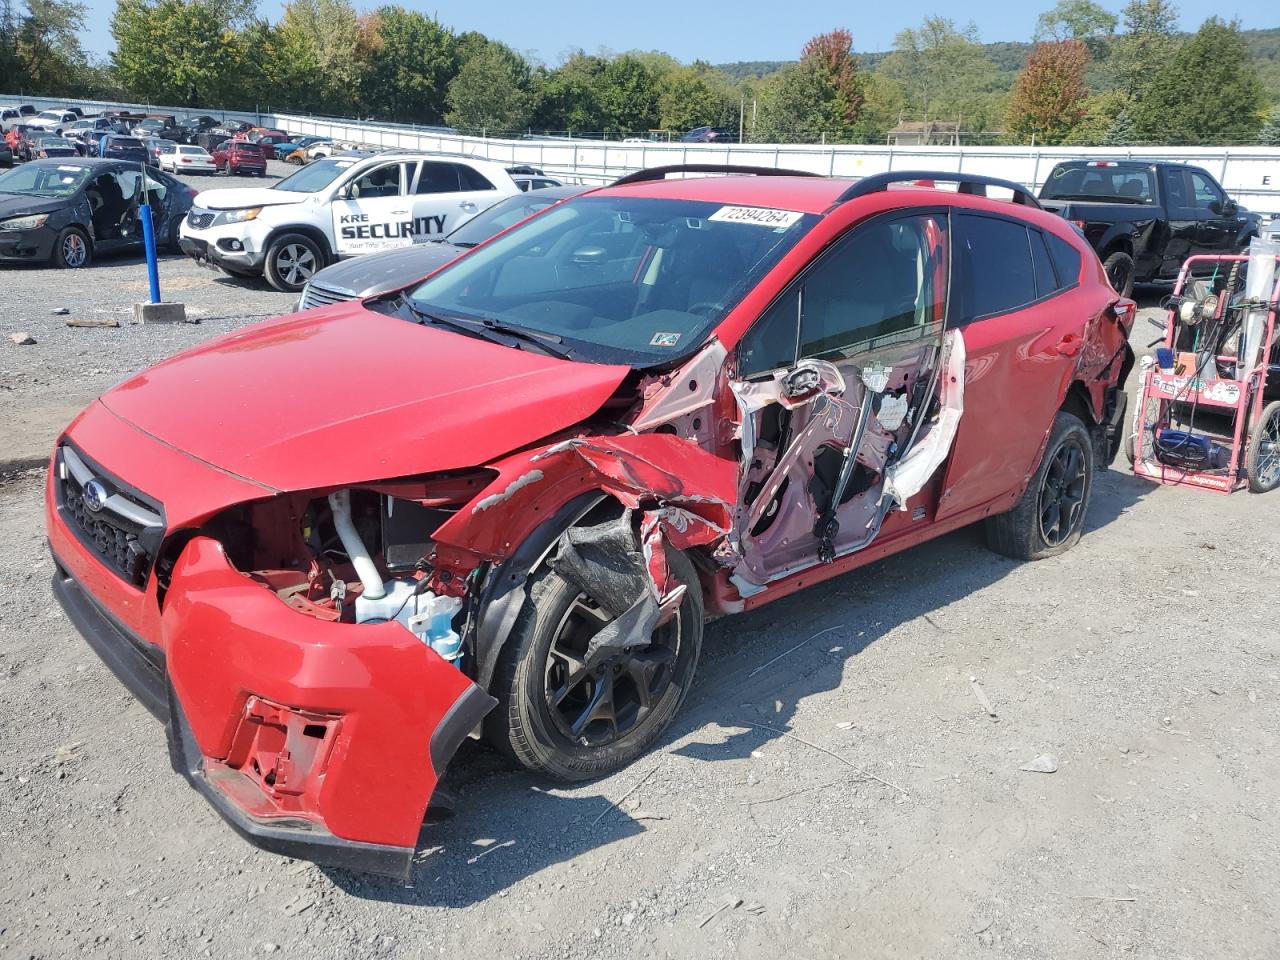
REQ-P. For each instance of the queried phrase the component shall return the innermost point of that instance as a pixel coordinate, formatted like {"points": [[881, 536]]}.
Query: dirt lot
{"points": [[891, 819]]}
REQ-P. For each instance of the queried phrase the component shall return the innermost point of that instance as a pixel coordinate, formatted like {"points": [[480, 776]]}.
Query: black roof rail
{"points": [[970, 183], [661, 173]]}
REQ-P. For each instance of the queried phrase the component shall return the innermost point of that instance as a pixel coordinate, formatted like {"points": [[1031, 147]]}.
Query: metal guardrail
{"points": [[1251, 174]]}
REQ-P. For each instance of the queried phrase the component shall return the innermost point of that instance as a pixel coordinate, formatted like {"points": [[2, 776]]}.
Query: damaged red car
{"points": [[503, 501]]}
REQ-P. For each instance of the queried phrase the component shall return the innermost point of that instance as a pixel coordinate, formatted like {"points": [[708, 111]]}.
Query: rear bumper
{"points": [[316, 740]]}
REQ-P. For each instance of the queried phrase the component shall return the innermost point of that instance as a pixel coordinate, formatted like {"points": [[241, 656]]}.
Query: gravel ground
{"points": [[891, 819]]}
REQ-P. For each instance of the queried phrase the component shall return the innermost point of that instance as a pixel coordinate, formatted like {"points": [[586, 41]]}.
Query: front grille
{"points": [[315, 296], [124, 532], [200, 219]]}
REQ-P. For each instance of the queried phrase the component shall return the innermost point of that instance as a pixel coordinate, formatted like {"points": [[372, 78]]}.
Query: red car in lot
{"points": [[240, 157], [325, 549]]}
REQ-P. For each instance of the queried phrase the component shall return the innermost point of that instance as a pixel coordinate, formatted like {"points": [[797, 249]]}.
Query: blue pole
{"points": [[149, 240]]}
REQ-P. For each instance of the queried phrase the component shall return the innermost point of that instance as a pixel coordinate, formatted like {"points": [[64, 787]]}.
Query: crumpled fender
{"points": [[693, 489]]}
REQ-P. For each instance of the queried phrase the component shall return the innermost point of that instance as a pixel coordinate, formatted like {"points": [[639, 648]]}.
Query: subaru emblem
{"points": [[95, 495]]}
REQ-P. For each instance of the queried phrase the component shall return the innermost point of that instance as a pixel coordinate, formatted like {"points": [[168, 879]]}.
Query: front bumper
{"points": [[27, 246], [317, 740]]}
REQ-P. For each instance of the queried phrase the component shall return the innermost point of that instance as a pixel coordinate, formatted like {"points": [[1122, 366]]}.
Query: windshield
{"points": [[44, 181], [1120, 183], [619, 279], [503, 214], [49, 115], [131, 142], [315, 176]]}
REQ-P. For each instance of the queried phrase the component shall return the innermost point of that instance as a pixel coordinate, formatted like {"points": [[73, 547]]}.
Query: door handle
{"points": [[1069, 345], [398, 213], [467, 205]]}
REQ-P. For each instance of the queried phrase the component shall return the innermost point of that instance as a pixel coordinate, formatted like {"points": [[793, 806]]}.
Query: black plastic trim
{"points": [[968, 183], [467, 711], [140, 666]]}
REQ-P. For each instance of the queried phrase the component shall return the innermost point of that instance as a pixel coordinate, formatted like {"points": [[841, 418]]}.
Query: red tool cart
{"points": [[1208, 410]]}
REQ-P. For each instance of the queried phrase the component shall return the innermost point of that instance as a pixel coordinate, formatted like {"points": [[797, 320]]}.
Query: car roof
{"points": [[805, 194]]}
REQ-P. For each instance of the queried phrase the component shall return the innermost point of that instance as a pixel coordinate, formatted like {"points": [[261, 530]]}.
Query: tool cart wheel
{"points": [[1262, 456]]}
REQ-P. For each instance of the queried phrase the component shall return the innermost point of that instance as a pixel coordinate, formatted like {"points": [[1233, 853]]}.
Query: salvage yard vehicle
{"points": [[53, 121], [339, 207], [542, 468], [187, 159], [237, 157], [1144, 219], [67, 210], [380, 273], [49, 147]]}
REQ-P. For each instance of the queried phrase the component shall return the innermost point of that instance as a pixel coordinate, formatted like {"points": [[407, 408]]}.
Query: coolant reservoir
{"points": [[427, 616]]}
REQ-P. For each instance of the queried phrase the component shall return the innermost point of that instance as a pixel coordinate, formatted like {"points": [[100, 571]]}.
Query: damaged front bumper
{"points": [[317, 740]]}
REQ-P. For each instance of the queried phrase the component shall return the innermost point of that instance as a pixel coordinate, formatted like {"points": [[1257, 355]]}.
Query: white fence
{"points": [[1251, 174]]}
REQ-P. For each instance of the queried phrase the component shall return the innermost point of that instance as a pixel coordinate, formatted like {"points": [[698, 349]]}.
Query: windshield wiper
{"points": [[486, 327]]}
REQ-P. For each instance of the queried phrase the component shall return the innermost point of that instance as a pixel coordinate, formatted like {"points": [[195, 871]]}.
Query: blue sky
{"points": [[716, 31]]}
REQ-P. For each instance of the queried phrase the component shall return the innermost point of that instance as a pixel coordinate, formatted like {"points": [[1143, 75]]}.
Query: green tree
{"points": [[1208, 92], [944, 74], [1049, 99], [1150, 38], [1081, 20], [491, 91], [42, 48], [695, 96], [1100, 112], [324, 42], [796, 105], [177, 51], [410, 62], [627, 92], [1270, 132], [1120, 133], [568, 97]]}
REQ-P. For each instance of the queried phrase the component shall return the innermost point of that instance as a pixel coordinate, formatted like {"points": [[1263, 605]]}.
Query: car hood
{"points": [[236, 198], [378, 273], [345, 395], [22, 204]]}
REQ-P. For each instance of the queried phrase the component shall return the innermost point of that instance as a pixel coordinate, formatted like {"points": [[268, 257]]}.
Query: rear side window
{"points": [[473, 179], [1046, 277], [996, 273], [438, 178], [1066, 258]]}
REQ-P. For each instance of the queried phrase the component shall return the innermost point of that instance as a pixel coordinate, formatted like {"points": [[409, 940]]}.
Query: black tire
{"points": [[1119, 269], [1034, 528], [72, 250], [525, 726], [292, 260], [172, 244], [1262, 455]]}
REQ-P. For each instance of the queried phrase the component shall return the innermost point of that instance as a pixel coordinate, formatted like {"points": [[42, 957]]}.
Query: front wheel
{"points": [[1049, 518], [71, 249], [292, 260], [1262, 456], [563, 716]]}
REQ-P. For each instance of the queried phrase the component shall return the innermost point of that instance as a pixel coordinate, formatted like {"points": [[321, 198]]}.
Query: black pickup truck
{"points": [[1144, 219]]}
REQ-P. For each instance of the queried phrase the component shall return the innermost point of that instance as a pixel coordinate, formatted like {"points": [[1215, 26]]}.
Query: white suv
{"points": [[339, 207]]}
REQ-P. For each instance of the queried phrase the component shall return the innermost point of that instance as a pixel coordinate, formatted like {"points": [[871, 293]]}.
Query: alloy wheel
{"points": [[296, 263], [597, 706], [74, 250], [1062, 493]]}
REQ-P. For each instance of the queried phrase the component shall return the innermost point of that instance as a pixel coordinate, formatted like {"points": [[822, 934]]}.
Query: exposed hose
{"points": [[340, 504]]}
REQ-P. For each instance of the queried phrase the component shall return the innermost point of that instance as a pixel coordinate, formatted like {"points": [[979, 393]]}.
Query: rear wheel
{"points": [[559, 716], [292, 260], [1119, 269], [1049, 519], [1262, 456]]}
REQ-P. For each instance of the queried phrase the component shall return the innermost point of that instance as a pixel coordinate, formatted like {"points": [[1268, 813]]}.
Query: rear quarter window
{"points": [[1066, 258]]}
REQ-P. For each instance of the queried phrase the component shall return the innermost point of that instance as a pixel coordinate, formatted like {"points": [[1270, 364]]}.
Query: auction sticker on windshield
{"points": [[757, 216]]}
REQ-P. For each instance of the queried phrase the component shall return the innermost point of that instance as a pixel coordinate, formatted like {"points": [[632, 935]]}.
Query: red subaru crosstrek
{"points": [[326, 548]]}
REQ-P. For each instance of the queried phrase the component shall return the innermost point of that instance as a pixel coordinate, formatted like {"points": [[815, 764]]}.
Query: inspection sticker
{"points": [[664, 339], [758, 216]]}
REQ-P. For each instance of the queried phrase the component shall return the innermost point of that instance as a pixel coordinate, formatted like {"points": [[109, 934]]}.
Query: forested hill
{"points": [[1009, 57]]}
